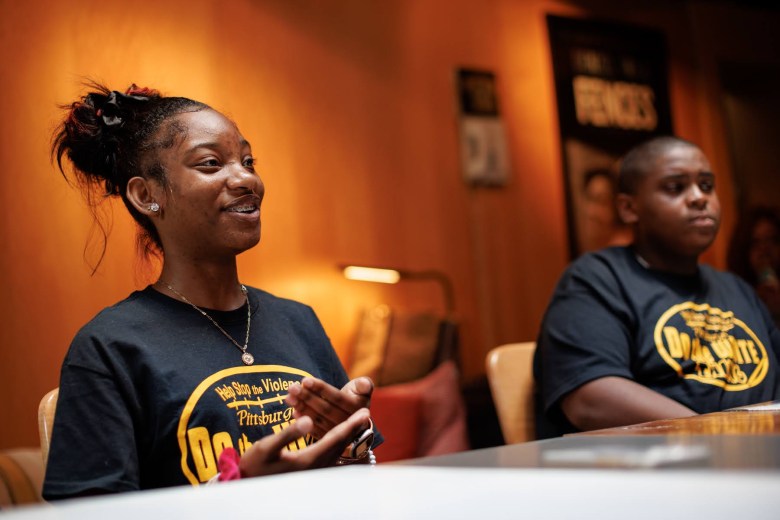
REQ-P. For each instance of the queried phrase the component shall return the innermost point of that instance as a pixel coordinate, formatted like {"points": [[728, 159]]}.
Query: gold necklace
{"points": [[246, 357]]}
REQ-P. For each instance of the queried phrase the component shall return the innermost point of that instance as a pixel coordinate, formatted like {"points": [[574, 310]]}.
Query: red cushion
{"points": [[421, 418]]}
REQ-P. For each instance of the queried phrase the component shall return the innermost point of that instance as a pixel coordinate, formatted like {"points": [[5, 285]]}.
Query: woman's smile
{"points": [[246, 207]]}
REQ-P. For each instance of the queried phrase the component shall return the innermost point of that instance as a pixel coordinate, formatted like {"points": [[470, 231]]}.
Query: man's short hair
{"points": [[637, 163]]}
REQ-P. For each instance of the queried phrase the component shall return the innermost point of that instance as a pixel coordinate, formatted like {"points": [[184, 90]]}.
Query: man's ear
{"points": [[141, 194], [626, 208]]}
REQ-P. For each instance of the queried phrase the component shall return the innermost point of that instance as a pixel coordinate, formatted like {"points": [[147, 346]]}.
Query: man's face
{"points": [[675, 208]]}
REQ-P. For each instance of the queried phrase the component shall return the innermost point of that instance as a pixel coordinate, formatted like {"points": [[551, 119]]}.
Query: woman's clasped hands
{"points": [[333, 417]]}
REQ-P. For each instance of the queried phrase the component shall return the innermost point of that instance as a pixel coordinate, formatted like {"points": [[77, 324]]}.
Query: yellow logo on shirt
{"points": [[713, 345], [252, 400]]}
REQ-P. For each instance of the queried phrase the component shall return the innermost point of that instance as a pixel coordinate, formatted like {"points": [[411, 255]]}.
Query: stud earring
{"points": [[154, 207]]}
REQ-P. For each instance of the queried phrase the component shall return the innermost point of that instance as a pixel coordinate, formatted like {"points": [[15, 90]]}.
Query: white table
{"points": [[409, 491]]}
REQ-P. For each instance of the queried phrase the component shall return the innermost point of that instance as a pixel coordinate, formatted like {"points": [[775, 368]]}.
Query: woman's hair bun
{"points": [[94, 129]]}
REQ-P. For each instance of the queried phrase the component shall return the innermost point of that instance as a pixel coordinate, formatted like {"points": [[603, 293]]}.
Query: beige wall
{"points": [[349, 106]]}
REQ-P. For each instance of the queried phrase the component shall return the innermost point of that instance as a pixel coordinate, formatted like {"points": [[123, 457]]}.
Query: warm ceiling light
{"points": [[392, 275], [371, 274]]}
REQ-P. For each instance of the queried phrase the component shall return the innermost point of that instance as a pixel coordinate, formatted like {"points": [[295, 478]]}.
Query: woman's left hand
{"points": [[271, 455], [327, 405]]}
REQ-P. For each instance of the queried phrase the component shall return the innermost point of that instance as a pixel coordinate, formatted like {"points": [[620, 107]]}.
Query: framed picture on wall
{"points": [[484, 154], [612, 93]]}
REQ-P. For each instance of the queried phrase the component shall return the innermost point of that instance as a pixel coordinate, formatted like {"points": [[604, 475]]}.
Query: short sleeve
{"points": [[585, 333], [93, 447]]}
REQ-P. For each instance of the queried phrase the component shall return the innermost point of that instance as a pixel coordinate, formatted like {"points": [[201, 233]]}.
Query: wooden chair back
{"points": [[510, 375], [21, 477], [46, 410]]}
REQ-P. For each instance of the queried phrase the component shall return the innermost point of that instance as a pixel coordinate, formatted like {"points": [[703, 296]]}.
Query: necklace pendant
{"points": [[247, 358]]}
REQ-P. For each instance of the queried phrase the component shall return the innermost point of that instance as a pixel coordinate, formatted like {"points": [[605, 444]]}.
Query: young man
{"points": [[644, 332]]}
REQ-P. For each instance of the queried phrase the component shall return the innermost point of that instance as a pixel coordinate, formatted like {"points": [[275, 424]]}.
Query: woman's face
{"points": [[211, 201], [764, 246]]}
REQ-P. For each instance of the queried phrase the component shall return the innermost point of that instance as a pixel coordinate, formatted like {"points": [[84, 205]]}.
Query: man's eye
{"points": [[673, 187], [707, 186]]}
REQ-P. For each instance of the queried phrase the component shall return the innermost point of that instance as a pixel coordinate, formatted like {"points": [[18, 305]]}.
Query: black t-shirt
{"points": [[151, 391], [704, 340]]}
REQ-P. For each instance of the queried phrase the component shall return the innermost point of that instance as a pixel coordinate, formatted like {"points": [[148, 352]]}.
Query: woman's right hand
{"points": [[269, 455], [326, 404]]}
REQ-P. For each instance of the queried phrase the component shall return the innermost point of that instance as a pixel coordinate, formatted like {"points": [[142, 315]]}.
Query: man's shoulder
{"points": [[615, 255], [711, 273], [726, 280], [612, 263]]}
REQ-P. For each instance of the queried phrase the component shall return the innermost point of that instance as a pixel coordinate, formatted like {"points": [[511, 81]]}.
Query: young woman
{"points": [[168, 385]]}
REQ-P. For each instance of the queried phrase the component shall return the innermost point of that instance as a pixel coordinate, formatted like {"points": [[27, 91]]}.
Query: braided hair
{"points": [[110, 137]]}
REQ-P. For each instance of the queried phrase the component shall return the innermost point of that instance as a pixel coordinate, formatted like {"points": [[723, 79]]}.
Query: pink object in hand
{"points": [[228, 465]]}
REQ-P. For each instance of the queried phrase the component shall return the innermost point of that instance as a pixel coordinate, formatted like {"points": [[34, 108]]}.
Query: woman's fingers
{"points": [[320, 401], [355, 395], [270, 455], [327, 405], [265, 457], [327, 450], [359, 390]]}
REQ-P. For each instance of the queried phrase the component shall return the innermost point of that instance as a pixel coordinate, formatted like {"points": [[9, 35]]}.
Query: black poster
{"points": [[611, 87]]}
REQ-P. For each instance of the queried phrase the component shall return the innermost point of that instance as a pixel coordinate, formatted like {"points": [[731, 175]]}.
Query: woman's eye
{"points": [[209, 163], [249, 163]]}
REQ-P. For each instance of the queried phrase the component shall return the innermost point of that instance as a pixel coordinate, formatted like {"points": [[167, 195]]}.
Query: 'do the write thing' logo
{"points": [[711, 346]]}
